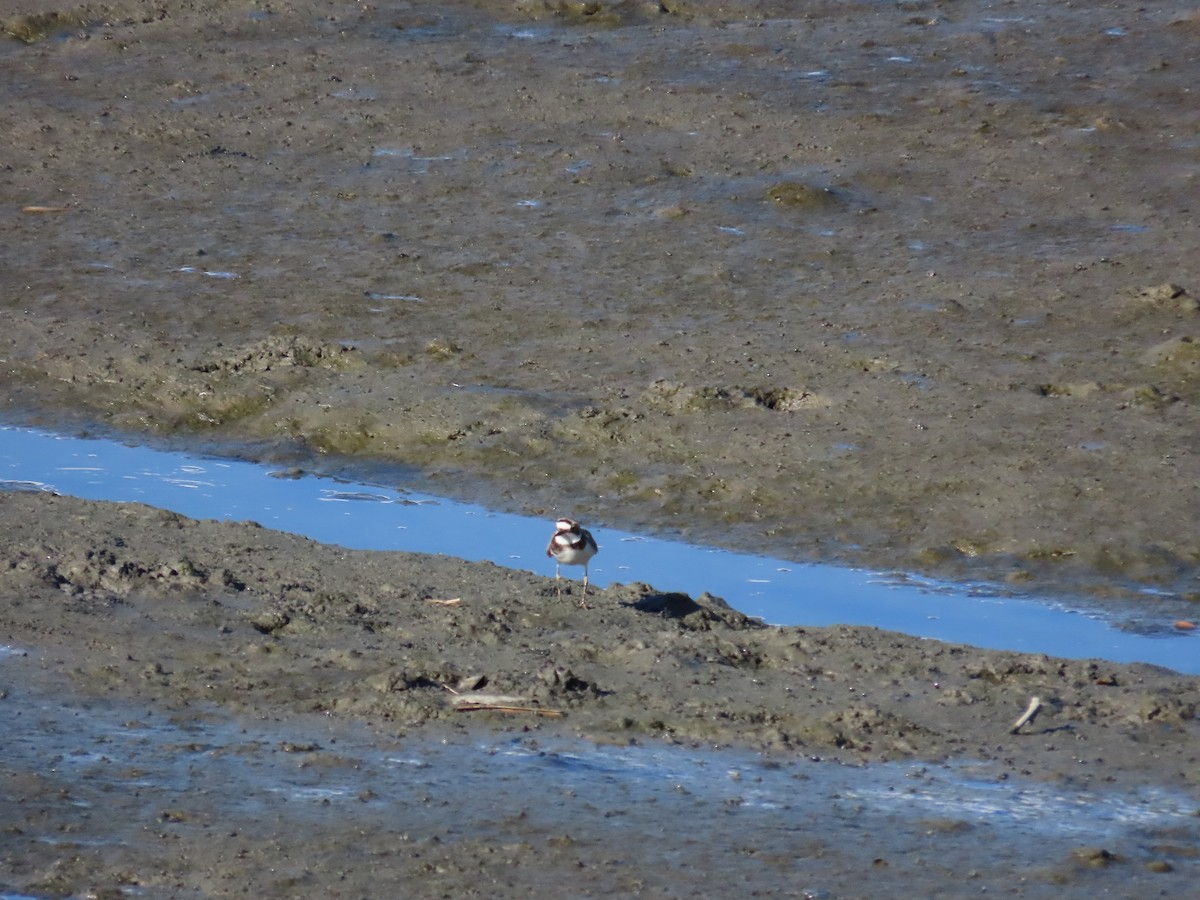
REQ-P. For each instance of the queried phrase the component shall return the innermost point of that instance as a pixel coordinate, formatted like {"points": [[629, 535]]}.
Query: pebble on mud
{"points": [[1097, 857]]}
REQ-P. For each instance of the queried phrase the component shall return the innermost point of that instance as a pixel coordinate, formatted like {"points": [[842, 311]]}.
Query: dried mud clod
{"points": [[279, 353], [1168, 296], [802, 196], [703, 398]]}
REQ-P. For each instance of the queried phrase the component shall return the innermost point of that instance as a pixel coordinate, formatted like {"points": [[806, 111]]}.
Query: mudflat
{"points": [[915, 284], [912, 285]]}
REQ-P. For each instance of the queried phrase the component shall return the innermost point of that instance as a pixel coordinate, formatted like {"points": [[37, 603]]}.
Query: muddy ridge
{"points": [[146, 603]]}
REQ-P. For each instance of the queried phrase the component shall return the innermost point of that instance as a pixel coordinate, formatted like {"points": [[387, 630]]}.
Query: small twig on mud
{"points": [[453, 601], [1026, 717], [44, 209]]}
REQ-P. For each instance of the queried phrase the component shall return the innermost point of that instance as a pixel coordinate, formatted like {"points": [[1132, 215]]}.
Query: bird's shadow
{"points": [[669, 605], [1053, 729]]}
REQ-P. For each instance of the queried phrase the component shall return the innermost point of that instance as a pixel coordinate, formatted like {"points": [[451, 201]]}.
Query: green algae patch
{"points": [[31, 29]]}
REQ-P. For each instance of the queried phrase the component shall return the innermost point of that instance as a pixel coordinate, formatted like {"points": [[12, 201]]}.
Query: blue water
{"points": [[367, 516]]}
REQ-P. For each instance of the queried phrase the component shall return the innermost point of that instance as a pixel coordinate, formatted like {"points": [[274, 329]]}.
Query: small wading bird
{"points": [[572, 545]]}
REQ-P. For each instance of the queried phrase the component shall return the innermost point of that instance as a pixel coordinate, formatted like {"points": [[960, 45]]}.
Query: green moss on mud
{"points": [[37, 27]]}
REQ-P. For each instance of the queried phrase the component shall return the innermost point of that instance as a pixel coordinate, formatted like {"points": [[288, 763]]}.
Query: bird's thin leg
{"points": [[557, 582], [583, 599]]}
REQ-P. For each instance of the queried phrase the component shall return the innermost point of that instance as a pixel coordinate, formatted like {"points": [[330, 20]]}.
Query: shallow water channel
{"points": [[375, 517]]}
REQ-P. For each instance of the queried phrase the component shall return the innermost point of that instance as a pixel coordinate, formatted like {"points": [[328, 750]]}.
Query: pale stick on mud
{"points": [[1028, 716]]}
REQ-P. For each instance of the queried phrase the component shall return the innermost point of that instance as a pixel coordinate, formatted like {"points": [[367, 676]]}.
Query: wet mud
{"points": [[307, 805], [909, 284], [133, 612]]}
